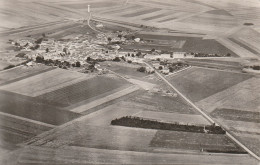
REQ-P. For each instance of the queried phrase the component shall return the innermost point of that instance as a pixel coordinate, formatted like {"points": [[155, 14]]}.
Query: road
{"points": [[204, 114]]}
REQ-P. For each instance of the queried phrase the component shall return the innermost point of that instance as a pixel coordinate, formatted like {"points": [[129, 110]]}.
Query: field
{"points": [[23, 106], [159, 103], [43, 83], [141, 12], [83, 90], [192, 44], [21, 72], [194, 141], [243, 45], [237, 115], [243, 96], [124, 69], [14, 130], [199, 83], [92, 4]]}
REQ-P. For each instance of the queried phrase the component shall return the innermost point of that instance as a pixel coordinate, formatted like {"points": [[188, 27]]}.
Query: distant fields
{"points": [[92, 4], [45, 82], [192, 44], [83, 90], [23, 106], [199, 83], [22, 72], [141, 12]]}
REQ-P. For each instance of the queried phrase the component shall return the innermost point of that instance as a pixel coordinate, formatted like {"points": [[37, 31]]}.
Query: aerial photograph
{"points": [[120, 82]]}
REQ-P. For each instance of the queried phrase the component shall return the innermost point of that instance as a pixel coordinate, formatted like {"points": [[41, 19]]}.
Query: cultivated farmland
{"points": [[22, 72], [160, 103], [25, 107], [44, 82], [83, 90], [192, 44], [199, 83], [194, 141]]}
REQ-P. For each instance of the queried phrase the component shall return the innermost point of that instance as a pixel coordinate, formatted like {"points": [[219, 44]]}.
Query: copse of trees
{"points": [[138, 122], [116, 59], [141, 69]]}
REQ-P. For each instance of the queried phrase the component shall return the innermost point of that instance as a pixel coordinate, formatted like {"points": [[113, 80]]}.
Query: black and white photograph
{"points": [[129, 82]]}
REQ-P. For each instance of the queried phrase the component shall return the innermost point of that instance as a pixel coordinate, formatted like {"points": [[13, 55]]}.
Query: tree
{"points": [[133, 37], [133, 55], [38, 41], [119, 35], [65, 50], [78, 64], [43, 35], [117, 59], [160, 67], [109, 39], [47, 50], [141, 69], [129, 61], [138, 54], [123, 58], [153, 50], [36, 47], [88, 59], [171, 69], [228, 54], [39, 59]]}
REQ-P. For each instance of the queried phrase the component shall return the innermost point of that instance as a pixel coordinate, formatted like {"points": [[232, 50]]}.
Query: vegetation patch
{"points": [[138, 122]]}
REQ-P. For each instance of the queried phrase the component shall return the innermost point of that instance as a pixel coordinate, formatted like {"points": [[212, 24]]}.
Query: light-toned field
{"points": [[82, 155], [45, 82], [244, 96]]}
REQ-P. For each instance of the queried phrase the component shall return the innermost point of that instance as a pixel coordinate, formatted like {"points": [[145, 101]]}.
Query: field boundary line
{"points": [[174, 73], [205, 115], [103, 100], [10, 68], [29, 120]]}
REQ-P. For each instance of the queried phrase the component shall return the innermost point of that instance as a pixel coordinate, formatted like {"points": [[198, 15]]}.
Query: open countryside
{"points": [[129, 82]]}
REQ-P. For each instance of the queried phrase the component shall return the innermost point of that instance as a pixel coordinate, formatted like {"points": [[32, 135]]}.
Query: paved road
{"points": [[204, 114]]}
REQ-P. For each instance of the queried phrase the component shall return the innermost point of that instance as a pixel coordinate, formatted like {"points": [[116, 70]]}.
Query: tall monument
{"points": [[88, 8]]}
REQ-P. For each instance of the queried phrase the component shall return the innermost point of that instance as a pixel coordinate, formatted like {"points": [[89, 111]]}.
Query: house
{"points": [[179, 54]]}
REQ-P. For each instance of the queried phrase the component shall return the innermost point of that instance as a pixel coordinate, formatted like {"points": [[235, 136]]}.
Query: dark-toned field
{"points": [[14, 130], [26, 107], [192, 44], [83, 90], [199, 83]]}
